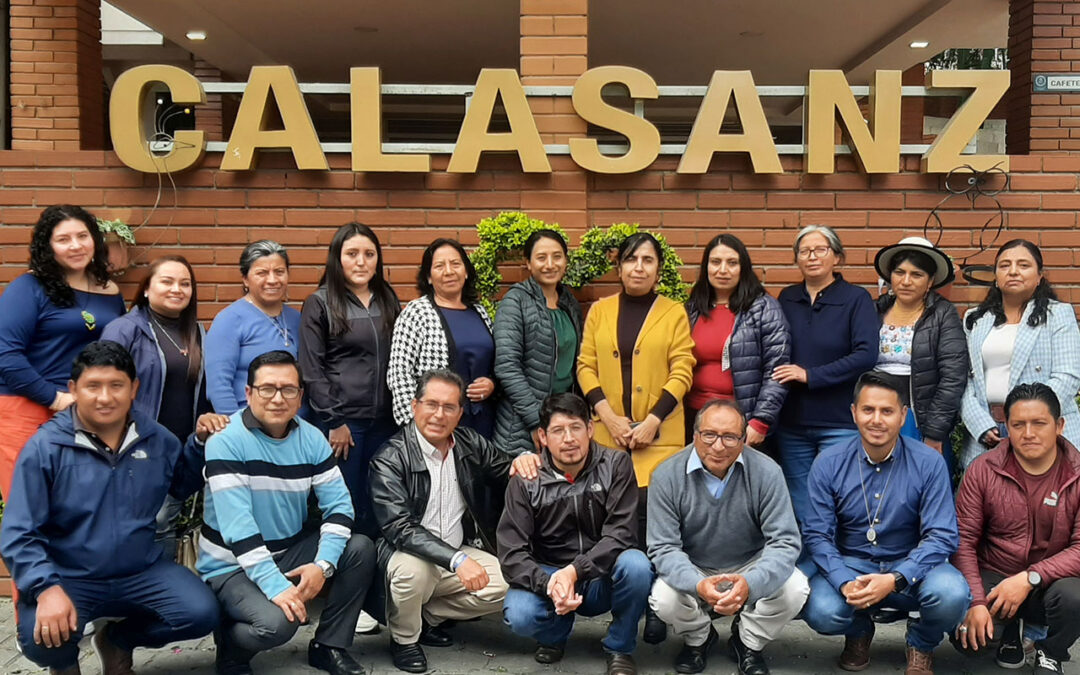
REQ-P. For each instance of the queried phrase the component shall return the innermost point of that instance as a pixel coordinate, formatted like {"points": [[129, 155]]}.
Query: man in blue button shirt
{"points": [[880, 527]]}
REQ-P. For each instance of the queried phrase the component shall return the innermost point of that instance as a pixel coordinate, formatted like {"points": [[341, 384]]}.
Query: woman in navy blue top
{"points": [[834, 339], [49, 315]]}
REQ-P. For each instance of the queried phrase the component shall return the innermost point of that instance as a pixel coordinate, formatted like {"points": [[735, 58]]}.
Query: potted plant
{"points": [[118, 236]]}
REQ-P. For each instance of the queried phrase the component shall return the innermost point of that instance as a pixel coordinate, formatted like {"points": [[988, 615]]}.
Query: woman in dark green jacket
{"points": [[537, 335]]}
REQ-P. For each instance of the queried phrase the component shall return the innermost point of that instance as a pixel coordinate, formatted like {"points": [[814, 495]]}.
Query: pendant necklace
{"points": [[871, 533], [283, 331], [89, 320], [183, 350]]}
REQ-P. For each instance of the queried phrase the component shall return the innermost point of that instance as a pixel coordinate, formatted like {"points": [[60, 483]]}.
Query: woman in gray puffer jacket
{"points": [[537, 336], [740, 336]]}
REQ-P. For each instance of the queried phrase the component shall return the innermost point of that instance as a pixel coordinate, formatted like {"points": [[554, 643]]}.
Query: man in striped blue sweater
{"points": [[255, 554]]}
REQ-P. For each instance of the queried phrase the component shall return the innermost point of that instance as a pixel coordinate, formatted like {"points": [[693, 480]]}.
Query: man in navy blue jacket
{"points": [[78, 532]]}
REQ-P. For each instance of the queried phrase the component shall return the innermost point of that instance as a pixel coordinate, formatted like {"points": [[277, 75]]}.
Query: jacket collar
{"points": [[997, 457], [63, 426], [550, 471], [415, 454]]}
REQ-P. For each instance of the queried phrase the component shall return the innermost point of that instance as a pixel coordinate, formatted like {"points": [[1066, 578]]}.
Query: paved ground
{"points": [[486, 647]]}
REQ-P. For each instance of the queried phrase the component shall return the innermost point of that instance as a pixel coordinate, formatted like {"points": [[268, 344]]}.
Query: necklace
{"points": [[183, 350], [871, 533], [89, 320], [283, 331], [904, 318]]}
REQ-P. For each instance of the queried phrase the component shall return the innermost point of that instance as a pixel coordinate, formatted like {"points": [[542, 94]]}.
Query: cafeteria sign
{"points": [[828, 98]]}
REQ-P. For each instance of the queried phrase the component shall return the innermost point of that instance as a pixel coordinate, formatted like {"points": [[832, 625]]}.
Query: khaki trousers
{"points": [[760, 623], [419, 590]]}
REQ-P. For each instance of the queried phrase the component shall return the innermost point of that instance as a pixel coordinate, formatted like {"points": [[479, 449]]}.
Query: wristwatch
{"points": [[1034, 578], [327, 568], [901, 582]]}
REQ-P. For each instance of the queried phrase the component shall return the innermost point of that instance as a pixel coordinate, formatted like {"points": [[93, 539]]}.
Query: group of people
{"points": [[731, 456]]}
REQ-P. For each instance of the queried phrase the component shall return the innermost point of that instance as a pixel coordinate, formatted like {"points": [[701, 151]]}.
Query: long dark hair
{"points": [[1041, 297], [43, 264], [189, 316], [468, 290], [749, 288], [337, 290]]}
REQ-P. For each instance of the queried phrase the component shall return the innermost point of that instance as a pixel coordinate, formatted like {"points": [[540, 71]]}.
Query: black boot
{"points": [[655, 629], [333, 660], [750, 661], [694, 659]]}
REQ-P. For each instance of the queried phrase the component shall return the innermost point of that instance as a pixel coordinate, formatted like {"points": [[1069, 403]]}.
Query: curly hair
{"points": [[993, 303], [43, 264]]}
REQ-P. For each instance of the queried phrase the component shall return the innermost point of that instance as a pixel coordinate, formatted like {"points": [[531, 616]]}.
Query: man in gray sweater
{"points": [[724, 541]]}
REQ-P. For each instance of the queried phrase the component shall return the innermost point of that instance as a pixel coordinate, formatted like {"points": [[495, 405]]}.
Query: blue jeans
{"points": [[941, 598], [625, 593], [162, 604], [797, 449], [368, 436]]}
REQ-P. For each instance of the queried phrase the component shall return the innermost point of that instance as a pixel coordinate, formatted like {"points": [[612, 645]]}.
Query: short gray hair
{"points": [[261, 249], [825, 231]]}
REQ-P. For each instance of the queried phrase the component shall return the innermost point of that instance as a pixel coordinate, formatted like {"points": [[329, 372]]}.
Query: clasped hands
{"points": [[561, 588], [726, 602]]}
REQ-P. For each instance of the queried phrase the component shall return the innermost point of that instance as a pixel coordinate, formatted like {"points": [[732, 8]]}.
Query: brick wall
{"points": [[213, 214], [1043, 122], [57, 94]]}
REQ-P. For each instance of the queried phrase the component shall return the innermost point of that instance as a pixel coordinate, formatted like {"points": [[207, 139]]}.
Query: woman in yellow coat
{"points": [[637, 361], [635, 366]]}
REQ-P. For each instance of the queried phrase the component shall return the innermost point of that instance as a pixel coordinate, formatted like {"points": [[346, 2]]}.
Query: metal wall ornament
{"points": [[968, 183]]}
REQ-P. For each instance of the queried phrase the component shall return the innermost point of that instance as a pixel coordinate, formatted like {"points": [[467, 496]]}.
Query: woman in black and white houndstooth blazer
{"points": [[445, 328]]}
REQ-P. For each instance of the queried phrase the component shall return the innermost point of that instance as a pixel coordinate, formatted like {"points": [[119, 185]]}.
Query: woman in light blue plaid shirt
{"points": [[1019, 334]]}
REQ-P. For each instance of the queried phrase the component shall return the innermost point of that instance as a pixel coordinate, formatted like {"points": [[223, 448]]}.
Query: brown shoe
{"points": [[114, 660], [73, 670], [856, 654], [919, 662], [620, 664]]}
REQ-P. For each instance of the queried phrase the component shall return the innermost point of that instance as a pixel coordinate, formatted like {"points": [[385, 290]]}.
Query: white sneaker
{"points": [[367, 625]]}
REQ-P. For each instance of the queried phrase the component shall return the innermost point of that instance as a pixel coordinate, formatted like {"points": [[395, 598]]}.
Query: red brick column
{"points": [[57, 93], [1044, 37], [554, 52], [208, 116]]}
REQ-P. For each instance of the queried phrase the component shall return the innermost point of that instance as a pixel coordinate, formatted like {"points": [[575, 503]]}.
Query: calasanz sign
{"points": [[827, 99]]}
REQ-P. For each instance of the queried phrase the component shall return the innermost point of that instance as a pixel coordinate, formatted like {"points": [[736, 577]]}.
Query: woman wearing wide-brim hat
{"points": [[921, 341]]}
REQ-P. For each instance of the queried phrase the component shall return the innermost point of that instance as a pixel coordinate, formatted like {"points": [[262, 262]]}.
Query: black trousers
{"points": [[1055, 605], [250, 623]]}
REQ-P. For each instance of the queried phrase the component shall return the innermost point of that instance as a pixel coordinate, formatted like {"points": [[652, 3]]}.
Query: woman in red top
{"points": [[740, 335]]}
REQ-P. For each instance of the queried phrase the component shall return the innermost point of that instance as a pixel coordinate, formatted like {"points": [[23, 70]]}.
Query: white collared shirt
{"points": [[446, 505]]}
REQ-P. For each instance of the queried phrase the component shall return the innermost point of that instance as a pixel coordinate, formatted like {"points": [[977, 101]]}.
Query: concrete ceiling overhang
{"points": [[678, 43], [419, 41]]}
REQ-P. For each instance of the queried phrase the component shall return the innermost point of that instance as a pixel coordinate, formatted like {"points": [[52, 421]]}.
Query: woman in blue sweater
{"points": [[49, 315], [257, 323], [834, 339]]}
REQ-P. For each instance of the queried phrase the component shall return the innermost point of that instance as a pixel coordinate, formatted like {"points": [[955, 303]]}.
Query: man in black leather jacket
{"points": [[427, 486], [566, 541]]}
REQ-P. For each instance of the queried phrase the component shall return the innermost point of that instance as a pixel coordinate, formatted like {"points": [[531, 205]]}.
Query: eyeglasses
{"points": [[817, 252], [269, 391], [728, 440], [572, 430], [432, 407]]}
